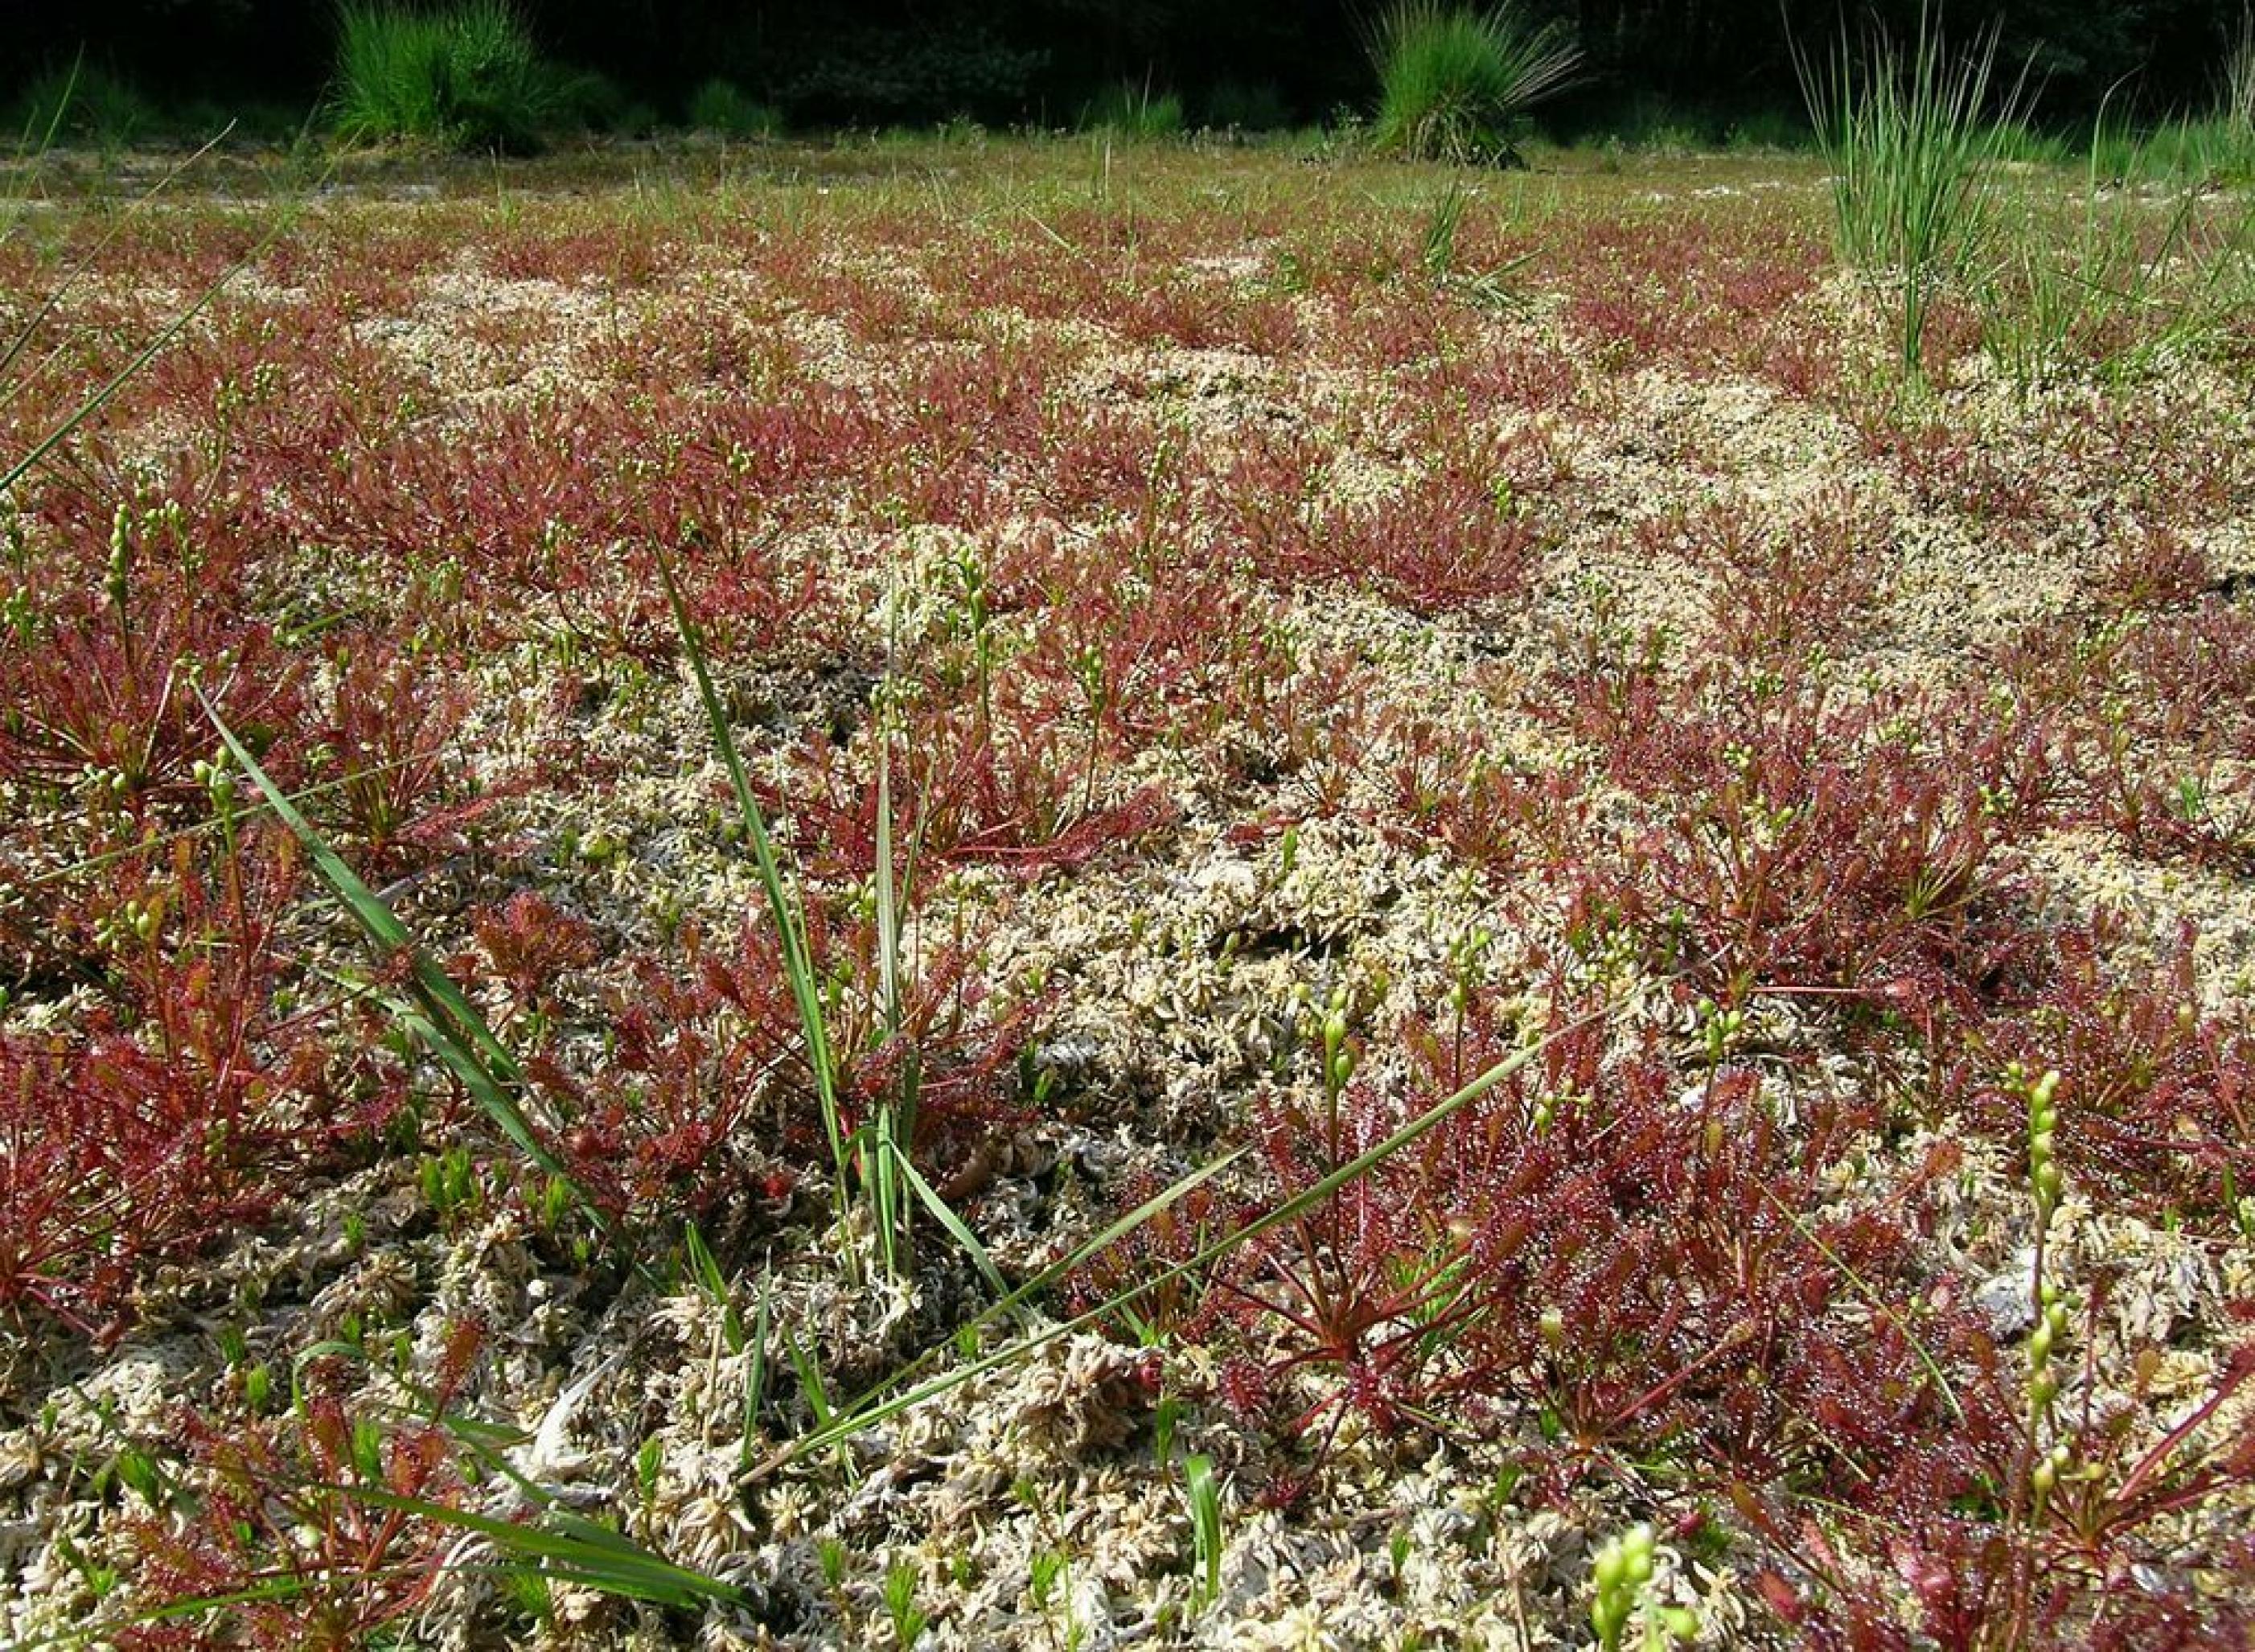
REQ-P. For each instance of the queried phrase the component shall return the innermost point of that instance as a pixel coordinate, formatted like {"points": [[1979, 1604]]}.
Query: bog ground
{"points": [[1230, 649]]}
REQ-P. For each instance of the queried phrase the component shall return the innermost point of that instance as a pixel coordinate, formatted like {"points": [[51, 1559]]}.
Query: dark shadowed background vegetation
{"points": [[1706, 68]]}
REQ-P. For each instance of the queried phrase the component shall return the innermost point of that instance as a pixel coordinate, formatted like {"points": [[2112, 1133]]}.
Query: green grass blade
{"points": [[440, 1015], [895, 1120], [1203, 1492], [107, 392], [1877, 1304], [571, 1549], [955, 1226], [873, 1408], [756, 1379], [584, 1551], [791, 927]]}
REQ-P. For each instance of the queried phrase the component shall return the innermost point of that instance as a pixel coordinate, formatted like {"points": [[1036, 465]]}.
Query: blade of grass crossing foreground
{"points": [[956, 1229], [865, 1413], [756, 1379], [571, 1549], [790, 919], [560, 1545], [438, 1012], [895, 1118], [14, 471], [872, 1410], [1203, 1492]]}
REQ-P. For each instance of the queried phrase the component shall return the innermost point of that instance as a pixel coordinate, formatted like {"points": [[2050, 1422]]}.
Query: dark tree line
{"points": [[873, 62]]}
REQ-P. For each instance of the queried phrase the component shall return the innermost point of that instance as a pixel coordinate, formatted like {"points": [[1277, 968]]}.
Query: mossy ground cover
{"points": [[1324, 629]]}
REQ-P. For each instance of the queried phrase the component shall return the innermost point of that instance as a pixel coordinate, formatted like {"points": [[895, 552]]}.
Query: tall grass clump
{"points": [[467, 76], [1135, 111], [81, 102], [1453, 83], [2219, 147], [1910, 135], [725, 109], [2113, 285], [2215, 147]]}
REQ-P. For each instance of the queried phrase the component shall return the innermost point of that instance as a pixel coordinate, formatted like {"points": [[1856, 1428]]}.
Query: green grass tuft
{"points": [[726, 110], [1134, 111], [466, 77], [82, 104], [1912, 136], [1454, 82]]}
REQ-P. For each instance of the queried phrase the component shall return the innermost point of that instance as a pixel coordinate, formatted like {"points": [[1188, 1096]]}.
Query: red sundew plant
{"points": [[691, 348], [1039, 279], [552, 528], [1692, 293], [311, 419], [1809, 846], [614, 254], [654, 1136], [1452, 540], [279, 1523], [1100, 459], [1137, 646], [695, 1054], [1308, 730], [99, 684], [2117, 1513], [1022, 793], [2157, 1106], [392, 731], [1514, 373], [1625, 330], [1398, 328], [1181, 446], [1805, 588], [1664, 1285], [2195, 673], [878, 308], [1202, 313], [1366, 1296], [2197, 804], [92, 1187], [1949, 469], [354, 269], [2154, 714], [1491, 812], [1467, 531], [121, 1149], [2112, 1555], [2150, 567], [528, 943], [1632, 1253], [1266, 494], [1807, 362], [989, 399], [787, 447]]}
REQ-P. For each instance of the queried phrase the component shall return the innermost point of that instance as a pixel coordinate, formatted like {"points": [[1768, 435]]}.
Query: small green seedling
{"points": [[909, 1621], [1203, 1492]]}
